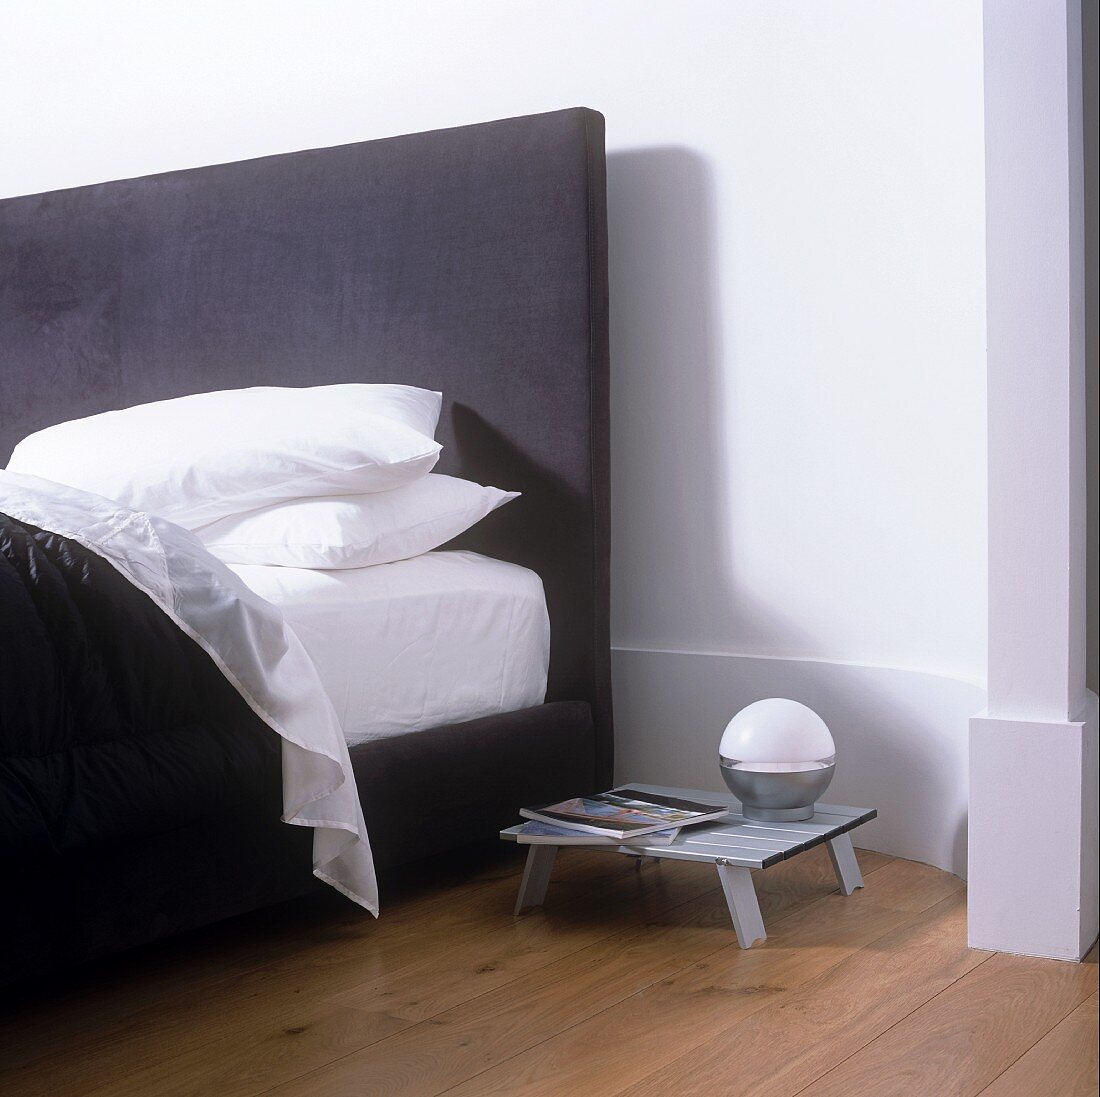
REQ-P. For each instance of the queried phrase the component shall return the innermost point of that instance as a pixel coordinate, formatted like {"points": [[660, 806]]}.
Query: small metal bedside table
{"points": [[735, 846]]}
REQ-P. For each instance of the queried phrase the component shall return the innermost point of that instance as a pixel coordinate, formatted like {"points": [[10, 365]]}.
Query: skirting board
{"points": [[1033, 843], [901, 736]]}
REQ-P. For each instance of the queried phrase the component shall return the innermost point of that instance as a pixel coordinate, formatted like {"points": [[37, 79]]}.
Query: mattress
{"points": [[442, 638]]}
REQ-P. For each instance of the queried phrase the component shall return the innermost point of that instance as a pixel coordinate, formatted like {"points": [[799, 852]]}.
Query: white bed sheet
{"points": [[441, 638]]}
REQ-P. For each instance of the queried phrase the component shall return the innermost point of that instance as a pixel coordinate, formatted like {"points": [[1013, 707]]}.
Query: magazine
{"points": [[624, 812], [534, 833]]}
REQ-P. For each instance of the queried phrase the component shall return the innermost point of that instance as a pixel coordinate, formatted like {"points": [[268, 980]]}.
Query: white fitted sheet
{"points": [[441, 638]]}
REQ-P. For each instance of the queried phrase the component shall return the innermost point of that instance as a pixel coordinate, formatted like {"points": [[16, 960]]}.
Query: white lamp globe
{"points": [[777, 731], [777, 757]]}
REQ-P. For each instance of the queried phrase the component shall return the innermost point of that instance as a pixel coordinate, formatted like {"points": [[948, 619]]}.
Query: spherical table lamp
{"points": [[777, 758]]}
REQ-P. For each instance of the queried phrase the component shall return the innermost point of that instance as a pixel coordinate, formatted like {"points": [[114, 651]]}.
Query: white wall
{"points": [[796, 203]]}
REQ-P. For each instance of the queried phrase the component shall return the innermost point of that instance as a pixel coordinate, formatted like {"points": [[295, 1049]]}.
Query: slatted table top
{"points": [[735, 840]]}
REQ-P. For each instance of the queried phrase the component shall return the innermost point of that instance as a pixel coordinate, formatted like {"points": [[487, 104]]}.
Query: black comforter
{"points": [[114, 724]]}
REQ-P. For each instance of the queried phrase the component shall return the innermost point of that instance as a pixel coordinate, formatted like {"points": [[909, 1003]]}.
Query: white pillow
{"points": [[353, 531], [199, 458]]}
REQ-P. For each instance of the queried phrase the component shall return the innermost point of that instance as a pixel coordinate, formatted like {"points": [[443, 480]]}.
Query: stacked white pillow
{"points": [[354, 531], [198, 458], [334, 476]]}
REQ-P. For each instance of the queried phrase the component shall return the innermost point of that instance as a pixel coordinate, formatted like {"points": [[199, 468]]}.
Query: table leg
{"points": [[536, 875], [845, 864], [741, 900]]}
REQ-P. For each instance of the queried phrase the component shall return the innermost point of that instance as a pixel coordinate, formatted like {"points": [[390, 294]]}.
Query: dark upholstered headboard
{"points": [[470, 260]]}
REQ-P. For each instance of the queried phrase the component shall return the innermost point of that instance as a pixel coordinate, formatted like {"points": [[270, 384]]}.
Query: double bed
{"points": [[469, 261]]}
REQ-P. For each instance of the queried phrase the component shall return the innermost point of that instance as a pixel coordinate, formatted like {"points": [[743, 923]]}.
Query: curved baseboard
{"points": [[901, 735]]}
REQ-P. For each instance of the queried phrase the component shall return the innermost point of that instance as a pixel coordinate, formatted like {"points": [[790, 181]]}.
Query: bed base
{"points": [[424, 793]]}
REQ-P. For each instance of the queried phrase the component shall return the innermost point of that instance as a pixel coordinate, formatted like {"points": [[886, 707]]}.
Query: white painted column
{"points": [[1033, 753]]}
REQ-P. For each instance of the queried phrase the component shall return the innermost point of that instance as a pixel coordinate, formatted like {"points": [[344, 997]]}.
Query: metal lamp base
{"points": [[778, 815], [784, 796]]}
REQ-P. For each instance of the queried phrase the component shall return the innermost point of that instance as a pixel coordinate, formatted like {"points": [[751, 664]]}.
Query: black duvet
{"points": [[114, 723]]}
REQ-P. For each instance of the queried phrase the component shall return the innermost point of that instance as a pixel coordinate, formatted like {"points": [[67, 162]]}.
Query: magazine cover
{"points": [[625, 811]]}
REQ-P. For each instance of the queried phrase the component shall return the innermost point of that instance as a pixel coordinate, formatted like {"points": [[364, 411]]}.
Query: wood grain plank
{"points": [[172, 1008], [624, 1044], [894, 884], [411, 971], [274, 1037], [785, 1046], [244, 1006], [147, 988], [622, 984], [462, 967], [429, 1056], [465, 1040], [428, 984], [1062, 1062], [958, 1043]]}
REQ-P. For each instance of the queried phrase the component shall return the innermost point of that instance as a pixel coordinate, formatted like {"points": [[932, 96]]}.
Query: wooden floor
{"points": [[629, 982]]}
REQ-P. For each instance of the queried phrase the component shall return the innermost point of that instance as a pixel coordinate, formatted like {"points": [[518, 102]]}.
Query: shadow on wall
{"points": [[669, 442], [901, 735]]}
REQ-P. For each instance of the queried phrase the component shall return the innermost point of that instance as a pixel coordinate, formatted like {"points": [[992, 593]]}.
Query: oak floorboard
{"points": [[957, 1044], [628, 982], [407, 951], [152, 992], [285, 1036], [430, 1054], [425, 987], [407, 983], [146, 988], [465, 1040], [785, 1046], [1063, 1062], [627, 1042]]}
